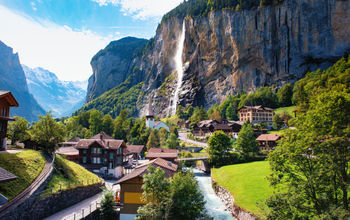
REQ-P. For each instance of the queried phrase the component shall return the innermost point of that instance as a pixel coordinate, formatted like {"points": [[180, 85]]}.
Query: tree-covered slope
{"points": [[124, 96]]}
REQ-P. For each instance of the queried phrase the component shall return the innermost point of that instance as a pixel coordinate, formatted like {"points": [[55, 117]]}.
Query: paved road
{"points": [[183, 137], [75, 211]]}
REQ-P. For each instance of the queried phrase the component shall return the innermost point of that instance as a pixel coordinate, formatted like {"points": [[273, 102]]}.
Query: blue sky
{"points": [[63, 35]]}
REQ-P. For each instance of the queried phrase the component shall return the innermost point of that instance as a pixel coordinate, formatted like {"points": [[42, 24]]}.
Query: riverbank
{"points": [[247, 183], [228, 201]]}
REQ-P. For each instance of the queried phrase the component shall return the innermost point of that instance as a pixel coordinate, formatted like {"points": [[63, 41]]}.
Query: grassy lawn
{"points": [[70, 175], [26, 165], [287, 109], [246, 182]]}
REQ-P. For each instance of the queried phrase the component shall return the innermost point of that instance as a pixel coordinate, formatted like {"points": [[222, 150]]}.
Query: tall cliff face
{"points": [[228, 51], [112, 65], [12, 78]]}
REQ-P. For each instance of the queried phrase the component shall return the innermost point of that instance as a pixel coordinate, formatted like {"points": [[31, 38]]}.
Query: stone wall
{"points": [[50, 205], [228, 201], [35, 208]]}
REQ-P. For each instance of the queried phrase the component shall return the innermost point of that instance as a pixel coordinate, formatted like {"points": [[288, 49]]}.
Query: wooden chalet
{"points": [[166, 154], [135, 151], [7, 100], [208, 127], [103, 154], [130, 185], [70, 143], [69, 153], [268, 141]]}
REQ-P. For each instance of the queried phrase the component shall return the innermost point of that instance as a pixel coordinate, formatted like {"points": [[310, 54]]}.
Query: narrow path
{"points": [[31, 189], [183, 137], [83, 208]]}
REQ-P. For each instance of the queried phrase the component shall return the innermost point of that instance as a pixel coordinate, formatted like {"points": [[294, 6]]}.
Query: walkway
{"points": [[83, 208], [183, 137], [25, 194]]}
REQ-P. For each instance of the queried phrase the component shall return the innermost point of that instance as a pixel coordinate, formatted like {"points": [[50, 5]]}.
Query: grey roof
{"points": [[6, 175]]}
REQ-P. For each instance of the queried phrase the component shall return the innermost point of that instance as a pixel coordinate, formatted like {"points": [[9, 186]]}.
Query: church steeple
{"points": [[150, 115]]}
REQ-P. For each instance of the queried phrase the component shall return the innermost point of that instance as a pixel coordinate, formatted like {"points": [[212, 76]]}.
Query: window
{"points": [[106, 152], [84, 159], [111, 155], [84, 151], [92, 150], [119, 160], [105, 160]]}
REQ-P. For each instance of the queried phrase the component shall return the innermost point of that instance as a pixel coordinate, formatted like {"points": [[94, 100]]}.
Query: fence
{"points": [[84, 212]]}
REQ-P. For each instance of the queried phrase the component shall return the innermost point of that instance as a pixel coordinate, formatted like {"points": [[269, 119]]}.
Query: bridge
{"points": [[204, 165]]}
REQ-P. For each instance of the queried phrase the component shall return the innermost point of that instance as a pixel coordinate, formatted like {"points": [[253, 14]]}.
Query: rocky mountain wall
{"points": [[228, 51]]}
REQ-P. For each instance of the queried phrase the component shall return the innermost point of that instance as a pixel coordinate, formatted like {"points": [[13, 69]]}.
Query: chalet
{"points": [[150, 123], [6, 101], [207, 127], [70, 143], [69, 153], [130, 185], [136, 151], [102, 153], [268, 141], [166, 154], [256, 114]]}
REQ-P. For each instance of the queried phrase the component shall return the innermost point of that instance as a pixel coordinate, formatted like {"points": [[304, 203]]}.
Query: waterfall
{"points": [[179, 70]]}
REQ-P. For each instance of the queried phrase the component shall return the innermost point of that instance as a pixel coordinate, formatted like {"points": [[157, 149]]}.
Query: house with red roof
{"points": [[166, 154], [103, 154], [130, 184], [7, 100], [268, 141]]}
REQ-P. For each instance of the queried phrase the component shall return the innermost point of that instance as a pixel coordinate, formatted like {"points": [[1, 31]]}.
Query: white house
{"points": [[150, 123]]}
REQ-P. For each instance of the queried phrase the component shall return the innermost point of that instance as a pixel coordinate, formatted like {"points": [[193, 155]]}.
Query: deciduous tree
{"points": [[246, 143], [219, 146], [18, 130]]}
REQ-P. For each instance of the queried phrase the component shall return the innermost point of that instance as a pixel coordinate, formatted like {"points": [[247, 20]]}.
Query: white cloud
{"points": [[143, 9], [60, 49]]}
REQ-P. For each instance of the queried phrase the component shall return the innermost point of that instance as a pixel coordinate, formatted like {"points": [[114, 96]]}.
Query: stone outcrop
{"points": [[12, 78], [227, 51], [113, 65]]}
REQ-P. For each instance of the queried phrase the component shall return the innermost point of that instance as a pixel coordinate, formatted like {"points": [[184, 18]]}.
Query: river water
{"points": [[213, 204]]}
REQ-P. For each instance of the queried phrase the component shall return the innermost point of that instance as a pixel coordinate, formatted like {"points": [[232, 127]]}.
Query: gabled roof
{"points": [[104, 143], [67, 151], [268, 137], [134, 149], [162, 153], [7, 95], [101, 135], [168, 167], [6, 175]]}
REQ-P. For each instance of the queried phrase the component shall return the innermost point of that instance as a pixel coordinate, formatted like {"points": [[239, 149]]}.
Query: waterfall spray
{"points": [[179, 70]]}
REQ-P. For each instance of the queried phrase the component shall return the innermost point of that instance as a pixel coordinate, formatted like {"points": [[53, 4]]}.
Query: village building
{"points": [[184, 124], [208, 127], [70, 153], [256, 114], [130, 185], [70, 143], [268, 141], [166, 154], [102, 154], [7, 100], [136, 152], [150, 123]]}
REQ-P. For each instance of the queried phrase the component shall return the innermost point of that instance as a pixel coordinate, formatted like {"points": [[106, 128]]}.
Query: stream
{"points": [[213, 204]]}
